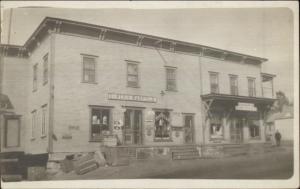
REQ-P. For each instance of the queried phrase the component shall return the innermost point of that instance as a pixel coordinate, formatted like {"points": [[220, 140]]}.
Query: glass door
{"points": [[189, 129], [133, 127], [236, 131]]}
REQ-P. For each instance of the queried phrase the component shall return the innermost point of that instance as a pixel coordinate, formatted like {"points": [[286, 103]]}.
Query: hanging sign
{"points": [[246, 107], [128, 97]]}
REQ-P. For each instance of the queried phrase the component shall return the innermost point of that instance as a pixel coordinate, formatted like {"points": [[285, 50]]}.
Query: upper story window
{"points": [[171, 79], [89, 69], [132, 74], [35, 71], [214, 82], [251, 87], [233, 84], [45, 69]]}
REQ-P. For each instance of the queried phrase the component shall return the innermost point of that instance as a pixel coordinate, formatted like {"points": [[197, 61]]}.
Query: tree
{"points": [[281, 101]]}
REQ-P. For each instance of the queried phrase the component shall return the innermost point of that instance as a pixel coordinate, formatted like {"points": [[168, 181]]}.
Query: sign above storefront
{"points": [[242, 106], [128, 97]]}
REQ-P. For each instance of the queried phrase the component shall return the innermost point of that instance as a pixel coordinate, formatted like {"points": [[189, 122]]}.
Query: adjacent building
{"points": [[78, 86]]}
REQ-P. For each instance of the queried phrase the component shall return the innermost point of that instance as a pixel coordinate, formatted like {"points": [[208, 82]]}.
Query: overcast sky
{"points": [[263, 32]]}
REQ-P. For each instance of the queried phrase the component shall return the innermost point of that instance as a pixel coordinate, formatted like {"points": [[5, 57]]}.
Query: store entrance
{"points": [[189, 129], [236, 131], [133, 127]]}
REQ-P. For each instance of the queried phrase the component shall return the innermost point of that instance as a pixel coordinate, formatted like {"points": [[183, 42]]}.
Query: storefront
{"points": [[234, 119]]}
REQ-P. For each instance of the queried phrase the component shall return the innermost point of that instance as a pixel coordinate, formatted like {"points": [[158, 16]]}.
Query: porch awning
{"points": [[235, 98]]}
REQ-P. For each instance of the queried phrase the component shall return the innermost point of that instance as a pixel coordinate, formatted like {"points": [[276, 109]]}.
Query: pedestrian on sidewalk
{"points": [[277, 137]]}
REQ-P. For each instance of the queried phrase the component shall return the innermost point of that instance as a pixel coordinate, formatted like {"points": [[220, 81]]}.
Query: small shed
{"points": [[283, 122]]}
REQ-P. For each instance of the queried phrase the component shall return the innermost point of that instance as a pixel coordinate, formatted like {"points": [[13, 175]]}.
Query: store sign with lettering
{"points": [[246, 107], [128, 97]]}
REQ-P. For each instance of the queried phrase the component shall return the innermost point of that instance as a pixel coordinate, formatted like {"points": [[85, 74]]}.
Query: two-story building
{"points": [[78, 86]]}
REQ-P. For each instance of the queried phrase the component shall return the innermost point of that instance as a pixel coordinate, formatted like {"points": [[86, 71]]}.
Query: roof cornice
{"points": [[51, 24]]}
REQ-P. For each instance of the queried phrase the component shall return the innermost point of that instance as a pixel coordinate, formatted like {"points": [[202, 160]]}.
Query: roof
{"points": [[235, 98], [286, 113], [62, 25]]}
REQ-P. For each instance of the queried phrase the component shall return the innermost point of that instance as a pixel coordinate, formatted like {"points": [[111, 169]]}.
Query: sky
{"points": [[262, 32]]}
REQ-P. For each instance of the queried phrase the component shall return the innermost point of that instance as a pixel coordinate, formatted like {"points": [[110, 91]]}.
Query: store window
{"points": [[89, 69], [12, 131], [100, 120], [214, 82], [45, 69], [44, 120], [132, 74], [251, 87], [254, 129], [162, 125], [233, 84], [35, 71], [216, 127], [171, 79]]}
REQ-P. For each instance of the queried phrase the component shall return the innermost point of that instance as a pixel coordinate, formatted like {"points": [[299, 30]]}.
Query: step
{"points": [[185, 153], [184, 150]]}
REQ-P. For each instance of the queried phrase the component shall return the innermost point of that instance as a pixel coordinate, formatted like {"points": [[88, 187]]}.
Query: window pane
{"points": [[162, 125], [132, 69], [214, 86], [99, 123], [12, 133], [89, 72]]}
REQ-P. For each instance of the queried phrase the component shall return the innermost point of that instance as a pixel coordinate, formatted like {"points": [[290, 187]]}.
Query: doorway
{"points": [[133, 127], [236, 131], [189, 129]]}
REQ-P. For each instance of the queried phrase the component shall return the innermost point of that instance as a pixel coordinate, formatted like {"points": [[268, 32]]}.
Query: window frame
{"points": [[211, 74], [12, 117], [252, 79], [83, 71], [129, 84], [109, 109], [163, 139], [167, 68], [44, 121], [236, 88], [35, 77], [45, 69]]}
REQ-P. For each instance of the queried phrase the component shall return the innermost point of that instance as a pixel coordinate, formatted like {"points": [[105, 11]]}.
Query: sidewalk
{"points": [[277, 165]]}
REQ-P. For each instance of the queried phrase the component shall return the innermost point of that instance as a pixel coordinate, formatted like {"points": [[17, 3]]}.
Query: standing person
{"points": [[277, 137]]}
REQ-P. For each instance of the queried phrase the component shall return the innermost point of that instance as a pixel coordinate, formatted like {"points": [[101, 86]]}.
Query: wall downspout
{"points": [[51, 92]]}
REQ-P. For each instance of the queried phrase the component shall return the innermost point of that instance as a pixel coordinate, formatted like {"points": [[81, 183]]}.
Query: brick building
{"points": [[78, 86]]}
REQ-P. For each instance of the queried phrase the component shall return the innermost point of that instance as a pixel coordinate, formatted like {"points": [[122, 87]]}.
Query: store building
{"points": [[86, 85]]}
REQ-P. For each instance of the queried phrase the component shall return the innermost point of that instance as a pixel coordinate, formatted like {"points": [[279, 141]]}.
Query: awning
{"points": [[235, 98]]}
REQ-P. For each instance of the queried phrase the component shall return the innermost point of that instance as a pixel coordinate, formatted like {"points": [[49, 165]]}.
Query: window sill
{"points": [[255, 138], [133, 86], [85, 82], [169, 90], [162, 140]]}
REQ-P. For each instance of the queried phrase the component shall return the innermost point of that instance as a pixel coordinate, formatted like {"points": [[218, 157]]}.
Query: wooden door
{"points": [[189, 129], [133, 127]]}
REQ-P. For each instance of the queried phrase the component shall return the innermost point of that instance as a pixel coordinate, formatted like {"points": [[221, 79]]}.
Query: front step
{"points": [[184, 152]]}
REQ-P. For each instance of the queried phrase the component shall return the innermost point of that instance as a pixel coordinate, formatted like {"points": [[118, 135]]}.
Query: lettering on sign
{"points": [[128, 97], [246, 107]]}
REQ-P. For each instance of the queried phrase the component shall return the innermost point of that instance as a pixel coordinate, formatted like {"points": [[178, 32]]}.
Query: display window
{"points": [[162, 125], [100, 120]]}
